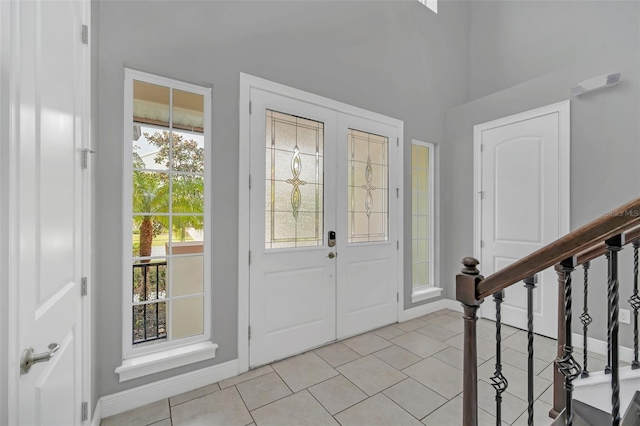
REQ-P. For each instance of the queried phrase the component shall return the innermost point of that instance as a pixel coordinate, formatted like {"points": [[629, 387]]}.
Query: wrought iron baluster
{"points": [[634, 301], [498, 381], [607, 368], [614, 245], [568, 366], [585, 318], [530, 284]]}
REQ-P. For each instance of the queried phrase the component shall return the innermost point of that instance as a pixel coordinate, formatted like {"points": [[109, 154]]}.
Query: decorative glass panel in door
{"points": [[368, 168], [294, 181]]}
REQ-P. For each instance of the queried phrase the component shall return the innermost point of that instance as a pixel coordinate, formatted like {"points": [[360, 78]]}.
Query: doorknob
{"points": [[29, 358], [331, 255]]}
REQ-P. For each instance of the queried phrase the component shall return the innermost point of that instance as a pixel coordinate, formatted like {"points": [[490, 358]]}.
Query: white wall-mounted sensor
{"points": [[606, 80]]}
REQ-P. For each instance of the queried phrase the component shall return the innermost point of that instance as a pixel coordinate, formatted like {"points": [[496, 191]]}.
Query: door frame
{"points": [[9, 243], [247, 82], [563, 109]]}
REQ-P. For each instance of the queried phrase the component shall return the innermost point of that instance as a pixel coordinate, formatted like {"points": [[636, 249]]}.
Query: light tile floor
{"points": [[403, 374]]}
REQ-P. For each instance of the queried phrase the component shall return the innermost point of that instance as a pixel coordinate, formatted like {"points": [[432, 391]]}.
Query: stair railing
{"points": [[606, 235]]}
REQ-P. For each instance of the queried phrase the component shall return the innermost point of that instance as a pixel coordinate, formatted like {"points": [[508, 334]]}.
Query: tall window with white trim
{"points": [[422, 223], [167, 213]]}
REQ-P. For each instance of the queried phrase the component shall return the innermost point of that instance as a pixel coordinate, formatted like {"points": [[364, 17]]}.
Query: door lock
{"points": [[332, 239], [331, 255], [29, 358]]}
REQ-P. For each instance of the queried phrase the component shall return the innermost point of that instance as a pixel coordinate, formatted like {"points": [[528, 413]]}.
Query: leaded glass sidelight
{"points": [[368, 187], [294, 181]]}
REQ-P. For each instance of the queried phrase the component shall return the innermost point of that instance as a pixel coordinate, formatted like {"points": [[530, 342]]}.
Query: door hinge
{"points": [[481, 244], [398, 141], [249, 181], [84, 412], [481, 193], [397, 192], [397, 297], [249, 107], [249, 332], [397, 244], [85, 34], [249, 257], [481, 147], [85, 158], [83, 286]]}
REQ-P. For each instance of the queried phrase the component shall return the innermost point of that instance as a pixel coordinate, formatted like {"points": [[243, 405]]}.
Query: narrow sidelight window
{"points": [[167, 213], [422, 215]]}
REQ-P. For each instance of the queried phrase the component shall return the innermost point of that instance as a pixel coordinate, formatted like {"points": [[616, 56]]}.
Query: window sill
{"points": [[144, 365], [425, 294]]}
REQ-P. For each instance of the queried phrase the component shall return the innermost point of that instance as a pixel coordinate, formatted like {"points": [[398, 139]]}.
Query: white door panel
{"points": [[292, 281], [367, 231], [520, 209], [50, 207]]}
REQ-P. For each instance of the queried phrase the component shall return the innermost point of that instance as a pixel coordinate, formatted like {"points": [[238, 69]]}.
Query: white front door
{"points": [[47, 209], [523, 204], [323, 232], [367, 224]]}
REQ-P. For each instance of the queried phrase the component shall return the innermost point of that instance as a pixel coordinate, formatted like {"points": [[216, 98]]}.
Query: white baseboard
{"points": [[97, 414], [600, 347], [428, 308], [129, 399]]}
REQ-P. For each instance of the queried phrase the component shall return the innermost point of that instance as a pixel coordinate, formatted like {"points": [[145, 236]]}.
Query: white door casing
{"points": [[294, 291], [522, 204], [50, 120]]}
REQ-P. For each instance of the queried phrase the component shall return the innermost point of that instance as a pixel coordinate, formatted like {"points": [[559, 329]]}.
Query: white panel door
{"points": [[521, 209], [53, 73], [292, 277], [367, 224]]}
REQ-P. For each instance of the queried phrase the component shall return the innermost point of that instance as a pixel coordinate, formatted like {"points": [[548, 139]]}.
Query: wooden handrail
{"points": [[588, 239]]}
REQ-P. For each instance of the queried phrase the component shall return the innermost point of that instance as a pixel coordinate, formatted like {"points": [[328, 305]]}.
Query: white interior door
{"points": [[317, 172], [53, 72], [367, 225], [292, 277], [523, 199]]}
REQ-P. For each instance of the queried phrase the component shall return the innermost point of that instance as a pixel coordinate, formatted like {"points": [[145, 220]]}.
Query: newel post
{"points": [[466, 282]]}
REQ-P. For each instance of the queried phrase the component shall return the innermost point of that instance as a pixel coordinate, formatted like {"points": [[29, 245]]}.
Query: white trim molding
{"points": [[428, 308], [155, 362], [129, 399], [425, 293]]}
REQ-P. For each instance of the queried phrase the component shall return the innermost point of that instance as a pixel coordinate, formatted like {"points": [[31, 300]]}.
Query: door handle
{"points": [[331, 255], [29, 358]]}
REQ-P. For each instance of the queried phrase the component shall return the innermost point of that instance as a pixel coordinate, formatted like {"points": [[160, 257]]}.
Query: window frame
{"points": [[431, 4], [428, 291], [129, 351]]}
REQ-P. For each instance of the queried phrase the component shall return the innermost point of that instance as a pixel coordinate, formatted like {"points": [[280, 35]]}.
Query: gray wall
{"points": [[394, 58], [526, 40]]}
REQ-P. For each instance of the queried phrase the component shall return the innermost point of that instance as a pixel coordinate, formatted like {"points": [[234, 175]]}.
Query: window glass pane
{"points": [[368, 187], [294, 181], [149, 235], [187, 195], [150, 104], [420, 223], [187, 317], [147, 143], [187, 273], [149, 280], [149, 322], [188, 111], [187, 153], [150, 192]]}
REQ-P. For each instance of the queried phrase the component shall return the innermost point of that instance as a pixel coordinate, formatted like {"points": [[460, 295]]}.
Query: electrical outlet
{"points": [[625, 316]]}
